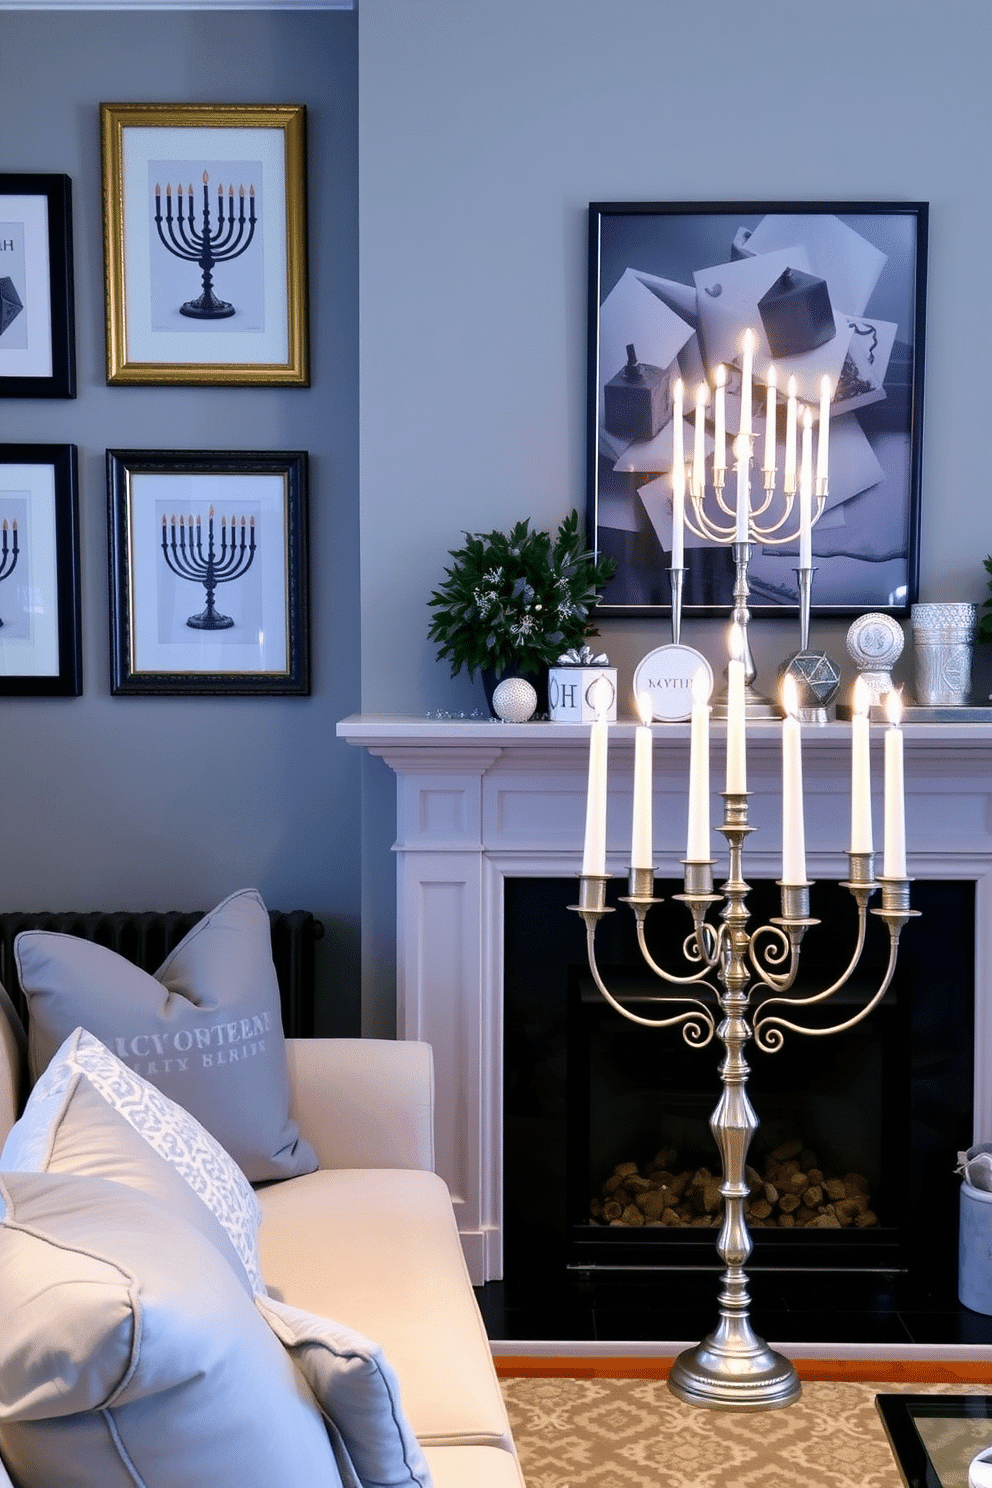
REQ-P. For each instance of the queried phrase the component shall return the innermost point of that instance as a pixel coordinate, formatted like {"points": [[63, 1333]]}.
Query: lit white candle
{"points": [[747, 372], [736, 736], [894, 861], [823, 437], [861, 833], [789, 472], [697, 849], [699, 441], [742, 455], [771, 385], [806, 494], [641, 842], [720, 421], [793, 830], [678, 486], [594, 850]]}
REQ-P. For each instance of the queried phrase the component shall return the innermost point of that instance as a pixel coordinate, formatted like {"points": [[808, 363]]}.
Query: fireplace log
{"points": [[792, 1192]]}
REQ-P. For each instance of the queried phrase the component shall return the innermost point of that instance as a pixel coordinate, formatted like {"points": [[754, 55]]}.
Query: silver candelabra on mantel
{"points": [[732, 1368]]}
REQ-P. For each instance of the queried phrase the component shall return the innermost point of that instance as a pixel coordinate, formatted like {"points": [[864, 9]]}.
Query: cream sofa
{"points": [[370, 1240]]}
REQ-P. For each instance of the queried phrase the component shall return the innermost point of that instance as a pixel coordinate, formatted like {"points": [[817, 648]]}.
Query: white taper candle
{"points": [[793, 829], [861, 834], [641, 835], [594, 849], [894, 860], [736, 732], [697, 847]]}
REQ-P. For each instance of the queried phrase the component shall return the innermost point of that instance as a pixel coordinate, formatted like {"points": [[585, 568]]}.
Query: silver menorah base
{"points": [[732, 1369]]}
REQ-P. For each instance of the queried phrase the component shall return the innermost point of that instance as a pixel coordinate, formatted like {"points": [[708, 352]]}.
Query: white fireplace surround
{"points": [[478, 802]]}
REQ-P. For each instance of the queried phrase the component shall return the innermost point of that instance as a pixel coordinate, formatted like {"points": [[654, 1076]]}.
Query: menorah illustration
{"points": [[182, 545], [206, 245], [8, 550]]}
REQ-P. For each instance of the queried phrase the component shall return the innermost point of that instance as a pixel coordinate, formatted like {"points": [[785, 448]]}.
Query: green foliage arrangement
{"points": [[516, 599], [985, 622]]}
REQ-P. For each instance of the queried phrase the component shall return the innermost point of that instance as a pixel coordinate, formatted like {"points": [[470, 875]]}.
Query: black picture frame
{"points": [[681, 279], [37, 343], [40, 637], [159, 571]]}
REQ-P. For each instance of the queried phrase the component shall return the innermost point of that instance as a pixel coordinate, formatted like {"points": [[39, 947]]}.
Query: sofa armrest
{"points": [[364, 1103]]}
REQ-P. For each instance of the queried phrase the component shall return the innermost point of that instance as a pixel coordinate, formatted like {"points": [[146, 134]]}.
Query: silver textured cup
{"points": [[943, 637]]}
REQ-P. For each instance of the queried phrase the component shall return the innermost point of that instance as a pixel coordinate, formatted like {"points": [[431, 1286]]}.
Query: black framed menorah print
{"points": [[719, 331], [205, 243], [209, 572], [40, 641], [37, 333]]}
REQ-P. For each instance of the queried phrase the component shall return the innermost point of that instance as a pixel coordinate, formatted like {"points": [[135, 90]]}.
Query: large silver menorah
{"points": [[182, 545], [206, 245], [732, 1368], [8, 550]]}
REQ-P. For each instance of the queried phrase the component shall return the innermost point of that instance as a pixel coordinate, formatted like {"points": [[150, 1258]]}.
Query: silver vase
{"points": [[943, 637]]}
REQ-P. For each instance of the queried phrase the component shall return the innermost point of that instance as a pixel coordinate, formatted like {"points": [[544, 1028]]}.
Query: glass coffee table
{"points": [[935, 1437]]}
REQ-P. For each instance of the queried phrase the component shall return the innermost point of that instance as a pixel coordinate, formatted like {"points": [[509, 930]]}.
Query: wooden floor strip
{"points": [[895, 1371]]}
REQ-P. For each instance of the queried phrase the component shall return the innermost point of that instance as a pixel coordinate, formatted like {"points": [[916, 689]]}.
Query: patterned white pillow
{"points": [[167, 1129]]}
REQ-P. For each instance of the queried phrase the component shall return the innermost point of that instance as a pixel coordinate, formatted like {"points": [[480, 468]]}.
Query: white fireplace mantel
{"points": [[478, 802]]}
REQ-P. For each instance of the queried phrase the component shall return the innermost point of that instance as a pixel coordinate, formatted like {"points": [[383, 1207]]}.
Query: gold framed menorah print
{"points": [[209, 588], [205, 243]]}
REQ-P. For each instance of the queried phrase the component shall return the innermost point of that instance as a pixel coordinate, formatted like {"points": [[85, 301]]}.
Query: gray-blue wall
{"points": [[172, 802], [486, 128]]}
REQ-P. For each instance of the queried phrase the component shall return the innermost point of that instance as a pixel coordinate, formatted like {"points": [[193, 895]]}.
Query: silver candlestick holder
{"points": [[762, 526], [817, 675], [732, 968]]}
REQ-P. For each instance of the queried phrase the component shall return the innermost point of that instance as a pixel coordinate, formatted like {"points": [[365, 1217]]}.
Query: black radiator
{"points": [[146, 938]]}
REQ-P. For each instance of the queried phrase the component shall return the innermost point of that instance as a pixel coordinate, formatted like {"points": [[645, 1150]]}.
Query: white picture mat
{"points": [[203, 342], [35, 359], [37, 654], [265, 649]]}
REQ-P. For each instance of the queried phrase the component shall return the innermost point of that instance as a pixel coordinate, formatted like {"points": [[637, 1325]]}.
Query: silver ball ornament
{"points": [[514, 700]]}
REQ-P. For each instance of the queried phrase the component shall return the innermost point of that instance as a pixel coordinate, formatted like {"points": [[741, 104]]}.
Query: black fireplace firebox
{"points": [[597, 1107]]}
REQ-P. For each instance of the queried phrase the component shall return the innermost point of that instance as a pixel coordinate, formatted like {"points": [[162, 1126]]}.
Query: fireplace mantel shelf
{"points": [[481, 801]]}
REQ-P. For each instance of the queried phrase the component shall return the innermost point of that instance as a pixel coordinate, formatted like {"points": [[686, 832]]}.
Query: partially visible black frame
{"points": [[62, 570], [671, 240], [898, 1414], [126, 678], [57, 190]]}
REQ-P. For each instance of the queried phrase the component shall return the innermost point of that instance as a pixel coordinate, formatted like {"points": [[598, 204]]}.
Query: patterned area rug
{"points": [[632, 1433]]}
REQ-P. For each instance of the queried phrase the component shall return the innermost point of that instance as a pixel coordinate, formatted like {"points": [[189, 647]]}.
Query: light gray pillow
{"points": [[358, 1392], [133, 1353], [90, 1114], [206, 1029]]}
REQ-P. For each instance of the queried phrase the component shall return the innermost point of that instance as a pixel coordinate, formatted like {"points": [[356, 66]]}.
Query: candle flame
{"points": [[807, 418], [736, 642], [678, 388], [771, 377], [826, 387], [792, 387], [645, 707], [721, 375], [700, 686], [750, 340], [862, 696], [893, 707], [702, 395], [790, 695]]}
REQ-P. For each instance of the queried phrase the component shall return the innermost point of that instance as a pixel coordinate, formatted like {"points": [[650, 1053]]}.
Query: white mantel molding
{"points": [[479, 802]]}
